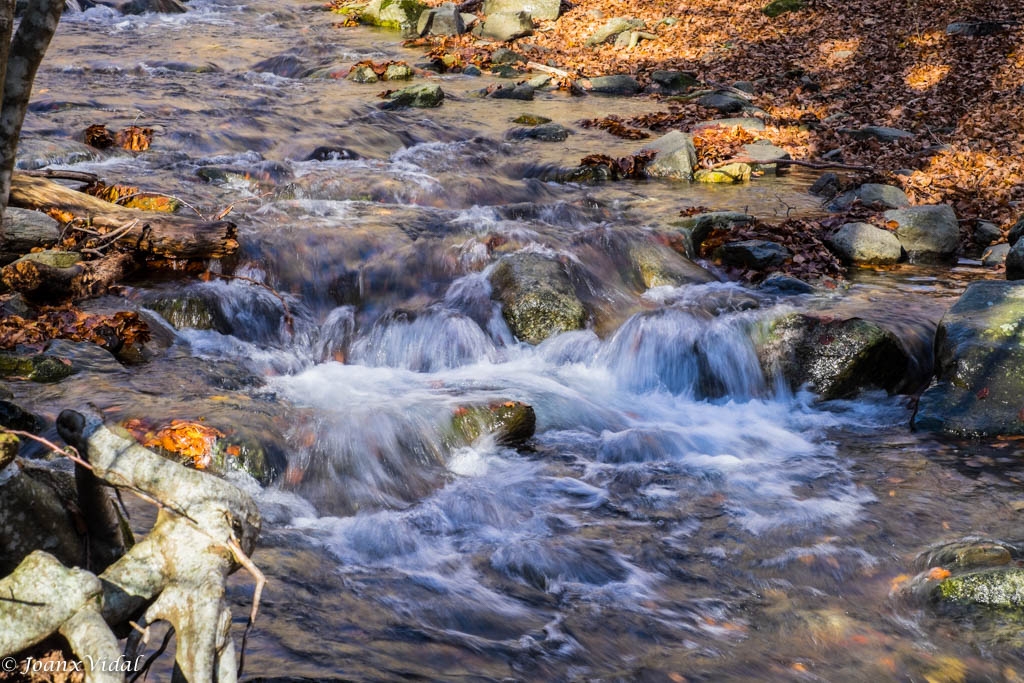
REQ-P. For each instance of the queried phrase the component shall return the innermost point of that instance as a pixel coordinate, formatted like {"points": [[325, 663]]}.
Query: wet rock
{"points": [[730, 173], [263, 459], [969, 553], [506, 71], [82, 356], [1015, 261], [762, 153], [755, 254], [35, 153], [362, 74], [618, 84], [777, 8], [996, 256], [13, 416], [1001, 588], [659, 266], [837, 357], [979, 364], [423, 95], [397, 15], [927, 233], [24, 230], [612, 28], [158, 6], [445, 20], [328, 153], [702, 224], [261, 175], [287, 66], [827, 185], [546, 132], [522, 91], [872, 196], [38, 368], [986, 233], [188, 311], [33, 515], [863, 243], [724, 102], [537, 297], [778, 283], [673, 82], [1015, 232], [512, 423], [676, 156], [472, 71], [506, 26], [880, 133], [398, 72], [540, 9], [531, 120]]}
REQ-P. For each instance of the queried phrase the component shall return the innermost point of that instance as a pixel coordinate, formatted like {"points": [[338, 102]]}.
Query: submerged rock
{"points": [[978, 388], [423, 95], [537, 298], [863, 243], [837, 358], [927, 233], [659, 266], [545, 132], [730, 173], [511, 422], [701, 225], [1002, 588]]}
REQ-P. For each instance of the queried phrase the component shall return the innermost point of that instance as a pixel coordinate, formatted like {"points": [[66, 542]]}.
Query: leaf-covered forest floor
{"points": [[832, 65]]}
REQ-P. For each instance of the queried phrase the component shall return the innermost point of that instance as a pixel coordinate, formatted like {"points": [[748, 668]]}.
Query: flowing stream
{"points": [[677, 515]]}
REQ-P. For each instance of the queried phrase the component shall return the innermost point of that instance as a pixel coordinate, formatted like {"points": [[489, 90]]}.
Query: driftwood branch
{"points": [[550, 70], [158, 234], [793, 162], [204, 531], [62, 174]]}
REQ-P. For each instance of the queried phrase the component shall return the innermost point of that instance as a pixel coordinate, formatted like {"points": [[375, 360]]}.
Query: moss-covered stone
{"points": [[42, 369], [659, 266], [511, 422], [424, 96], [537, 298], [993, 588], [730, 173], [835, 357], [397, 15], [979, 364], [779, 7]]}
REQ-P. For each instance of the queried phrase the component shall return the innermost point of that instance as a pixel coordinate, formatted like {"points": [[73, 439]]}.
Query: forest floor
{"points": [[827, 67]]}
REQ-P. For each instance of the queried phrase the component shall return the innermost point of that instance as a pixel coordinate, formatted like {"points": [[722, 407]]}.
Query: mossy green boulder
{"points": [[397, 15], [511, 422], [537, 297], [978, 388]]}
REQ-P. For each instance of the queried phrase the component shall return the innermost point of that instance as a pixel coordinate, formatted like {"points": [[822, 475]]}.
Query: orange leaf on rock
{"points": [[189, 440]]}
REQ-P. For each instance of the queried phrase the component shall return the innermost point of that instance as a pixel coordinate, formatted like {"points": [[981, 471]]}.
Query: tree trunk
{"points": [[23, 55], [156, 234]]}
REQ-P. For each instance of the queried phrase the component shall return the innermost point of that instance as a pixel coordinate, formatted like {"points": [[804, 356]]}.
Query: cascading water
{"points": [[678, 515]]}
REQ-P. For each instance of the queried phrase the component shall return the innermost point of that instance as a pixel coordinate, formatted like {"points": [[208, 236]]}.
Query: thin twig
{"points": [[144, 670], [261, 581], [68, 451]]}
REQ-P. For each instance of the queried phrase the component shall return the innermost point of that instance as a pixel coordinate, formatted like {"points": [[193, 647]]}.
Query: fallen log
{"points": [[160, 234], [81, 280]]}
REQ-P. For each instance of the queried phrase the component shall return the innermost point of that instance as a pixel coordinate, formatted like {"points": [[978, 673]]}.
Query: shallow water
{"points": [[678, 516]]}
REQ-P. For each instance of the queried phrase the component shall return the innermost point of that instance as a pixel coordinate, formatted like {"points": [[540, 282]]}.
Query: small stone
{"points": [[530, 120], [785, 284], [673, 82], [995, 255], [424, 95], [362, 74], [522, 91], [676, 156], [762, 153], [872, 196], [724, 102], [472, 71], [398, 72], [826, 186], [880, 133], [927, 233], [547, 132], [986, 232], [506, 26], [614, 27], [503, 55]]}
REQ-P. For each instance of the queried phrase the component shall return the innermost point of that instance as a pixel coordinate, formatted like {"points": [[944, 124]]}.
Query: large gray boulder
{"points": [[506, 26], [927, 233], [835, 357], [872, 196], [676, 156], [538, 9], [978, 388], [863, 243], [537, 297], [445, 20]]}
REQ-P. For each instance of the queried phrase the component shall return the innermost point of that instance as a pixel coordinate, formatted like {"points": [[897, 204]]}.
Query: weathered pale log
{"points": [[155, 233], [79, 281]]}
